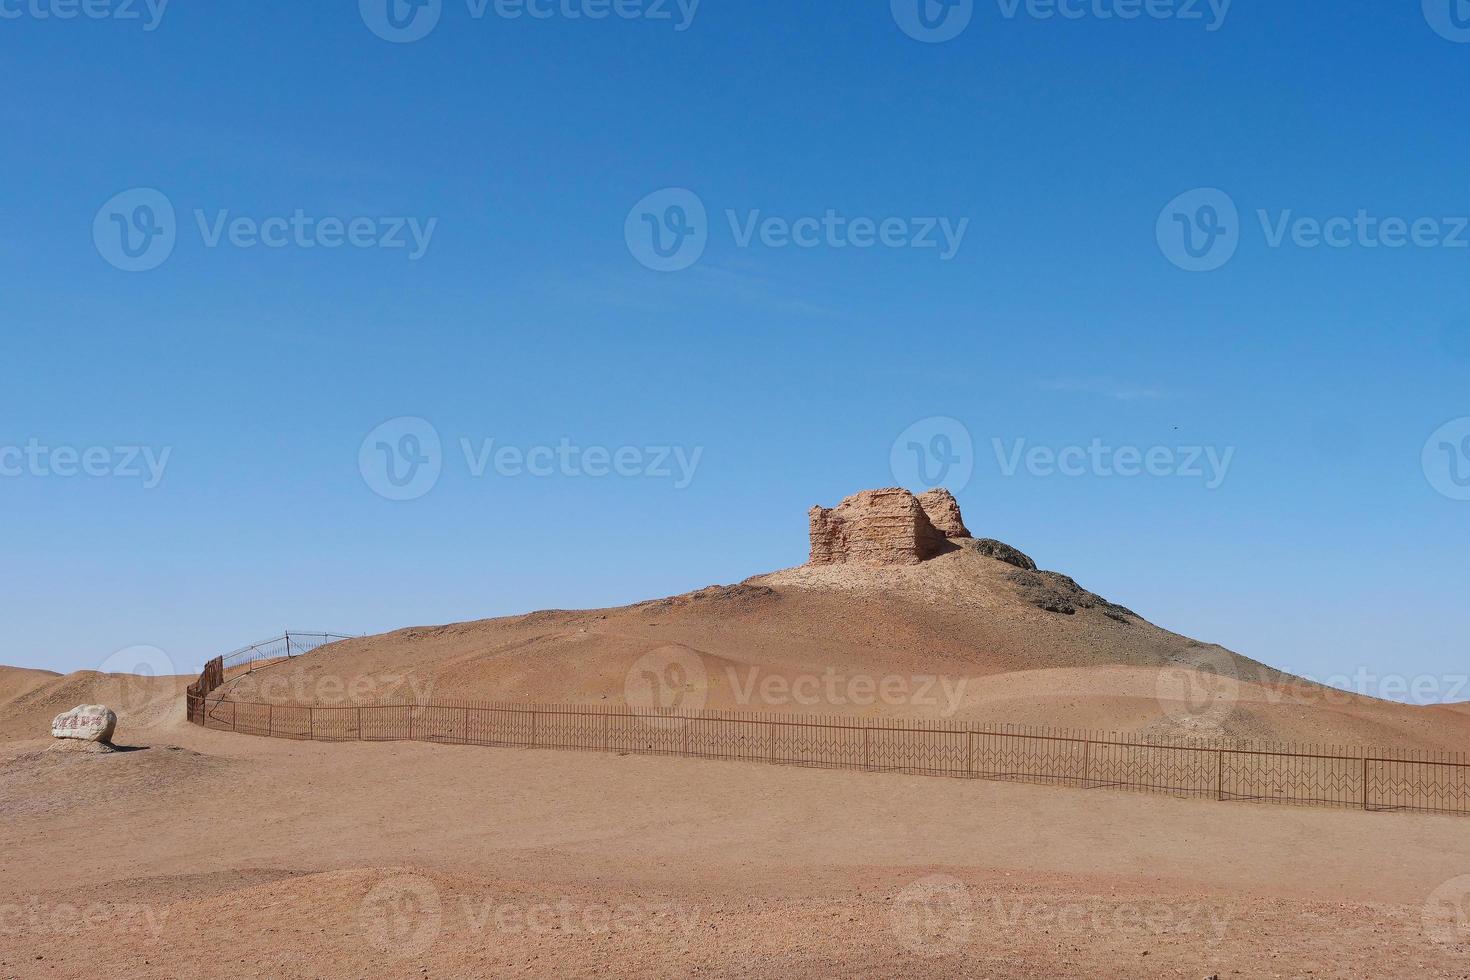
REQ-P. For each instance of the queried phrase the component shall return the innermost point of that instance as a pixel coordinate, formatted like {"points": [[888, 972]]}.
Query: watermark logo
{"points": [[401, 916], [36, 918], [148, 12], [1449, 18], [1208, 464], [1103, 10], [1195, 920], [933, 916], [671, 678], [136, 230], [573, 921], [668, 230], [401, 459], [1199, 694], [333, 690], [1446, 914], [401, 21], [34, 459], [1446, 459], [1199, 231], [127, 682], [933, 452], [938, 695], [405, 21], [568, 459], [933, 21]]}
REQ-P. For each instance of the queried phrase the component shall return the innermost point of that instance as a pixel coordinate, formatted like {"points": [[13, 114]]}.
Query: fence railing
{"points": [[266, 652], [1223, 770]]}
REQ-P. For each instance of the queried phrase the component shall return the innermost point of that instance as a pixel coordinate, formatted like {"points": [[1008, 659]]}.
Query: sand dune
{"points": [[249, 856], [961, 636], [29, 699], [253, 856]]}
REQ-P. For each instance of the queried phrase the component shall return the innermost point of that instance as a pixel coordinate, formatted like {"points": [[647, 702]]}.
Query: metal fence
{"points": [[1222, 770], [265, 653]]}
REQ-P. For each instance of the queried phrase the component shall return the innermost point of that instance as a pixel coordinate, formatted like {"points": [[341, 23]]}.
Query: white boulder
{"points": [[85, 723]]}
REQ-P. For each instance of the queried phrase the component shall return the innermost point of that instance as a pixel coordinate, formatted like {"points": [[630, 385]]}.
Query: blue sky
{"points": [[528, 152]]}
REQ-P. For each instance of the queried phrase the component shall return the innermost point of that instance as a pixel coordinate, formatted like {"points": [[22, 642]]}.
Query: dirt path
{"points": [[227, 855]]}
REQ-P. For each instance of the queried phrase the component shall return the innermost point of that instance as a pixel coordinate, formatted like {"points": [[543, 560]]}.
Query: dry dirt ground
{"points": [[211, 854], [957, 637]]}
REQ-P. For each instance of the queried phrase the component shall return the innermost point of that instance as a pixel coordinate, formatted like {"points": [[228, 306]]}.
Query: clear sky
{"points": [[1047, 230]]}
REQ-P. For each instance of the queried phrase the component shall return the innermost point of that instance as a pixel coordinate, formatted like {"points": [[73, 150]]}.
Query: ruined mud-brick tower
{"points": [[885, 527]]}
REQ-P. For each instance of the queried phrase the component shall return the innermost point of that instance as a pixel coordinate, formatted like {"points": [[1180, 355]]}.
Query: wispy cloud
{"points": [[674, 292], [1109, 389]]}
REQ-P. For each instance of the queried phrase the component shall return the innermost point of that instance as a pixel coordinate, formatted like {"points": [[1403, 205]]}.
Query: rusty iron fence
{"points": [[265, 653], [1352, 777]]}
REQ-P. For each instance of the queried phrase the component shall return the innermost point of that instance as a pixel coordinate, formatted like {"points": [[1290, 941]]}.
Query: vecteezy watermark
{"points": [[1446, 914], [567, 459], [1209, 464], [148, 13], [1199, 692], [669, 679], [1449, 18], [1211, 14], [932, 21], [145, 463], [668, 231], [127, 681], [1194, 920], [941, 695], [934, 452], [1200, 230], [36, 918], [405, 21], [675, 679], [331, 690], [937, 915], [934, 916], [404, 914], [936, 21], [1446, 459], [137, 231], [403, 459], [401, 915]]}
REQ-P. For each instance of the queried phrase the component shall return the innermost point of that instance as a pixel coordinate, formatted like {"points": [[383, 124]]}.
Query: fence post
{"points": [[232, 717], [465, 740], [533, 729], [409, 709], [1220, 774], [359, 723], [867, 755], [311, 722], [772, 735], [969, 754], [1365, 782], [606, 733], [685, 749], [270, 720], [1086, 763]]}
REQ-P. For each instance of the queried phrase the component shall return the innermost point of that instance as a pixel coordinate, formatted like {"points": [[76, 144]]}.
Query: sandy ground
{"points": [[209, 854], [196, 853]]}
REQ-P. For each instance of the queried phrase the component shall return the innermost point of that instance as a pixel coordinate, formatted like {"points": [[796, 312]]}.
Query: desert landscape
{"points": [[187, 851]]}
